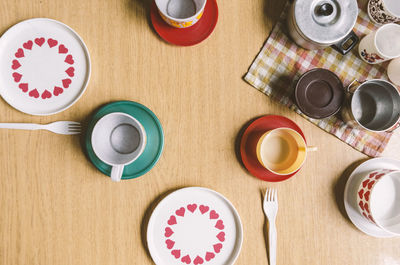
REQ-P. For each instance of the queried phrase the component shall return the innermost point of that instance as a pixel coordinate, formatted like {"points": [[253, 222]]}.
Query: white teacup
{"points": [[118, 139]]}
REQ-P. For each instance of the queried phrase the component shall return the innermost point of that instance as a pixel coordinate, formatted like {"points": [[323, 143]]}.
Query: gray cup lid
{"points": [[325, 22]]}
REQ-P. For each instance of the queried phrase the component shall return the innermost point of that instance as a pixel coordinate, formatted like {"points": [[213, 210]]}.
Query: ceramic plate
{"points": [[194, 226], [45, 66], [187, 36], [350, 193], [249, 141], [154, 133]]}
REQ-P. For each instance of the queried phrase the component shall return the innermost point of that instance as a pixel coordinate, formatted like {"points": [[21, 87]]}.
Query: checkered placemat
{"points": [[281, 62]]}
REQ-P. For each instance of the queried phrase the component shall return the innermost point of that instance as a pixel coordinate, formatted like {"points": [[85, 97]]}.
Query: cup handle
{"points": [[312, 148], [353, 85], [340, 46], [116, 173]]}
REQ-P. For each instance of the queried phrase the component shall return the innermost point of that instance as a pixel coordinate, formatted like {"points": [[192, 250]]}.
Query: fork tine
{"points": [[269, 194], [276, 195]]}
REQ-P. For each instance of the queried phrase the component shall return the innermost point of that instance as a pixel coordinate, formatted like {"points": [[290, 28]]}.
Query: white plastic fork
{"points": [[60, 127], [270, 207]]}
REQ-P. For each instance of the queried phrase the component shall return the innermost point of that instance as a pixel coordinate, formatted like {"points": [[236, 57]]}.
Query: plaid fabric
{"points": [[281, 62]]}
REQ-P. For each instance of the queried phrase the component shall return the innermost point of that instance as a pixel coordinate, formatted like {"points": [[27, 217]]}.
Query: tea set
{"points": [[46, 70]]}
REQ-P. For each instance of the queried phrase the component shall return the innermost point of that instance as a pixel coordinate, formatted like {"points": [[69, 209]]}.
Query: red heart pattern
{"points": [[221, 236], [361, 193], [57, 91], [217, 247], [66, 82], [24, 87], [168, 232], [15, 65], [220, 225], [371, 184], [372, 175], [170, 243], [17, 77], [214, 215], [69, 59], [180, 212], [379, 176], [198, 260], [203, 209], [39, 41], [19, 53], [172, 220], [366, 195], [62, 49], [176, 253], [52, 42], [209, 256], [192, 207], [34, 93], [28, 45], [366, 207], [70, 71], [361, 204], [46, 94], [186, 259], [365, 183]]}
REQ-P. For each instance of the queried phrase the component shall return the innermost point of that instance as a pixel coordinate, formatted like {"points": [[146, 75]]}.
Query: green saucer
{"points": [[154, 133]]}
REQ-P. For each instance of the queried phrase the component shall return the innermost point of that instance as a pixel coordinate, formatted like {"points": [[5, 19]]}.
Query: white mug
{"points": [[181, 13], [118, 139], [393, 71], [381, 45], [384, 11]]}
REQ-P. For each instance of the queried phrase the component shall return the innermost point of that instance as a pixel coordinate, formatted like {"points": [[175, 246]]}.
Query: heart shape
{"points": [[69, 59], [370, 218], [17, 77], [180, 212], [366, 207], [372, 175], [365, 183], [170, 243], [192, 207], [203, 209], [168, 232], [46, 94], [221, 236], [217, 247], [366, 196], [70, 71], [28, 45], [66, 82], [52, 42], [39, 41], [214, 215], [186, 259], [176, 253], [220, 225], [361, 193], [371, 184], [24, 87], [366, 216], [172, 220], [34, 93], [379, 176], [19, 53], [209, 256], [57, 91], [15, 65], [62, 49], [198, 260], [361, 204]]}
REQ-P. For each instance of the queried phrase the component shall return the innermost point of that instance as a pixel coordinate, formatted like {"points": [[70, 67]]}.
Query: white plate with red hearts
{"points": [[45, 66], [194, 226], [350, 194]]}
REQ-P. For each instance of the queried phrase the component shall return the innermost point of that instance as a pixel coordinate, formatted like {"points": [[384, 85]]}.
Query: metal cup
{"points": [[373, 105]]}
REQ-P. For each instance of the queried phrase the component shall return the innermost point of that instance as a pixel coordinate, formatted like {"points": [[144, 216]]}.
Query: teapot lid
{"points": [[325, 21]]}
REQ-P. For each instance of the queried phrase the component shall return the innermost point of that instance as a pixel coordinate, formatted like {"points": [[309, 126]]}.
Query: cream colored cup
{"points": [[282, 151], [393, 71], [181, 13]]}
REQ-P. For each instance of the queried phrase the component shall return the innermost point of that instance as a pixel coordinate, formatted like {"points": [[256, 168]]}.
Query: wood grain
{"points": [[56, 208]]}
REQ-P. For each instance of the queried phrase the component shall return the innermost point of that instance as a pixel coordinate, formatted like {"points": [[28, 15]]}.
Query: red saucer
{"points": [[187, 36], [249, 141]]}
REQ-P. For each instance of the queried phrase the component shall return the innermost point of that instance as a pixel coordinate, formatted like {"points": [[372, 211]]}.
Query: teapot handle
{"points": [[353, 86]]}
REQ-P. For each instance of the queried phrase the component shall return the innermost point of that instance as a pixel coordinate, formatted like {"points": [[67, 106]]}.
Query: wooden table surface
{"points": [[56, 208]]}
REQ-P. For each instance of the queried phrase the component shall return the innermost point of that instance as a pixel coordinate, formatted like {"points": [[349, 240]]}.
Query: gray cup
{"points": [[373, 105]]}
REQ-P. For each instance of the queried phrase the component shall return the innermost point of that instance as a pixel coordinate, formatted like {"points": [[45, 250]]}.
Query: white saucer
{"points": [[350, 197], [45, 66], [194, 226]]}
